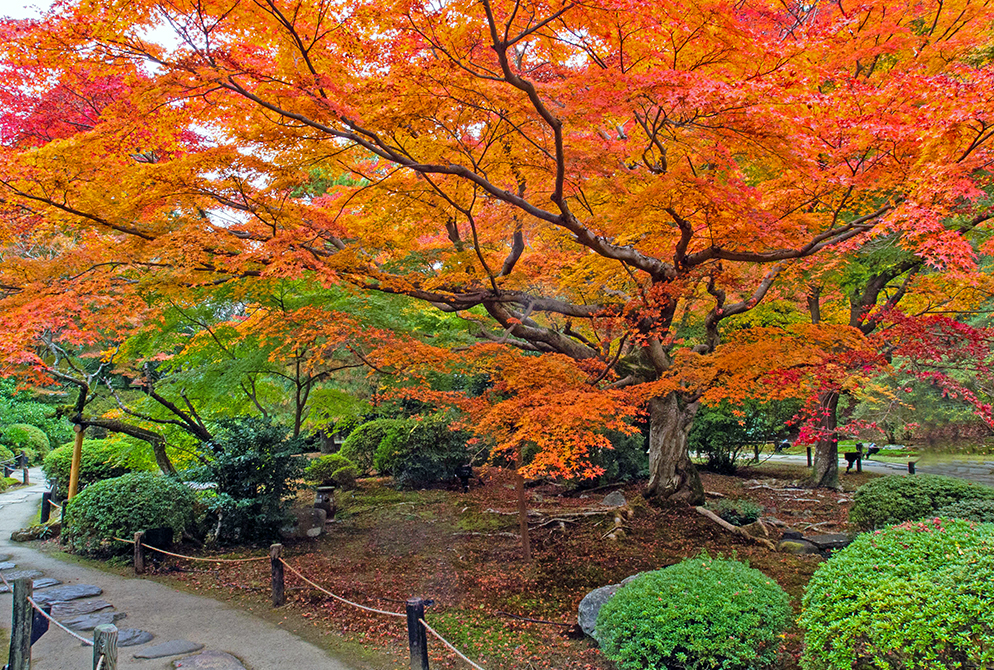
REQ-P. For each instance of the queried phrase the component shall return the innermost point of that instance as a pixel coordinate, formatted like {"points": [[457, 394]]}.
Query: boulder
{"points": [[829, 542], [310, 523], [614, 499], [756, 529], [591, 605], [797, 547]]}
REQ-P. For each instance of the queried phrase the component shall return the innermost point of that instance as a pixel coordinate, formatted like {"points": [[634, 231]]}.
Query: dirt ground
{"points": [[461, 550]]}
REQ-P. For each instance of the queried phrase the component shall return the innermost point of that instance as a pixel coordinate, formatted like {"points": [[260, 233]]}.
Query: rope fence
{"points": [[26, 628], [415, 607]]}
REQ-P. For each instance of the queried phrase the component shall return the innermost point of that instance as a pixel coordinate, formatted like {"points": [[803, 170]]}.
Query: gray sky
{"points": [[22, 9]]}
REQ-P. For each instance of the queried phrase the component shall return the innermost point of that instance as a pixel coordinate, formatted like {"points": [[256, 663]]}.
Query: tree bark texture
{"points": [[672, 476], [826, 461]]}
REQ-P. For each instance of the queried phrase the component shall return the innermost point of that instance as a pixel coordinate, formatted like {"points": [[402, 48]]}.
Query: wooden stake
{"points": [[105, 644], [139, 552], [276, 563], [22, 617], [77, 457], [417, 636]]}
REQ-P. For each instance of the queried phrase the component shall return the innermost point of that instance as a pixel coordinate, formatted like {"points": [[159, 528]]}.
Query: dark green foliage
{"points": [[27, 438], [252, 462], [332, 470], [738, 512], [101, 459], [361, 444], [121, 506], [422, 451], [721, 432], [627, 461], [895, 499], [7, 482], [981, 511], [915, 596], [701, 613], [5, 454], [26, 407]]}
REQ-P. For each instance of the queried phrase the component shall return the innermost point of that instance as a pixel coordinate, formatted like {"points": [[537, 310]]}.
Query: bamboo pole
{"points": [[77, 457]]}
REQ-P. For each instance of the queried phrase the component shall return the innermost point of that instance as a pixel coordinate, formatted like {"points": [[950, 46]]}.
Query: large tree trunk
{"points": [[826, 461], [672, 476]]}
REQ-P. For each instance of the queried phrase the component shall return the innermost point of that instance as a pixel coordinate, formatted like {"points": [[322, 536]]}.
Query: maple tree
{"points": [[601, 186]]}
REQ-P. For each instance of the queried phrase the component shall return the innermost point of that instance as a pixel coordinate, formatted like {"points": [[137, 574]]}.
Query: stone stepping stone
{"points": [[132, 637], [171, 648], [4, 557], [61, 594], [77, 607], [7, 566], [210, 660], [85, 622], [45, 583], [18, 574]]}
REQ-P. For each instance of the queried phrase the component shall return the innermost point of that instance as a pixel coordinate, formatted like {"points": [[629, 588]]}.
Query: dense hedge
{"points": [[981, 511], [419, 452], [6, 454], [27, 438], [121, 506], [101, 459], [701, 613], [915, 596], [332, 469], [896, 499], [361, 444]]}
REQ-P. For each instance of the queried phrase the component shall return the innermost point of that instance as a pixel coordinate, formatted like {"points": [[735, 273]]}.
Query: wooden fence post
{"points": [[809, 457], [105, 645], [139, 552], [276, 563], [417, 636], [859, 457], [22, 617], [911, 467], [46, 506]]}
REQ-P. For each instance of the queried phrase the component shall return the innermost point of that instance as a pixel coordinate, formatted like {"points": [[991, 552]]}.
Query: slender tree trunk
{"points": [[672, 475], [519, 488], [826, 461]]}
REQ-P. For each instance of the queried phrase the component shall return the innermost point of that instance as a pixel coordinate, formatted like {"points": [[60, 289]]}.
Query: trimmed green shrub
{"points": [[7, 482], [700, 613], [896, 499], [254, 467], [361, 444], [121, 506], [738, 512], [24, 436], [981, 511], [422, 451], [5, 454], [626, 461], [101, 459], [333, 469], [915, 596]]}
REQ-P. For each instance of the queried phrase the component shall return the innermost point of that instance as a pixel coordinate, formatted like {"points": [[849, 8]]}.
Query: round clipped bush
{"points": [[914, 596], [981, 511], [361, 444], [101, 459], [333, 469], [701, 613], [420, 452], [896, 499], [121, 506], [6, 455], [25, 437]]}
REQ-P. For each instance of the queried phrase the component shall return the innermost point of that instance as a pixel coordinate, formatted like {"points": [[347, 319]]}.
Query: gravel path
{"points": [[232, 639]]}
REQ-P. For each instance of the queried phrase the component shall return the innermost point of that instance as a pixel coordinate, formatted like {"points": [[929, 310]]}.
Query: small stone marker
{"points": [[171, 648], [61, 594], [77, 607], [310, 522], [209, 660], [85, 622], [132, 637], [614, 499]]}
